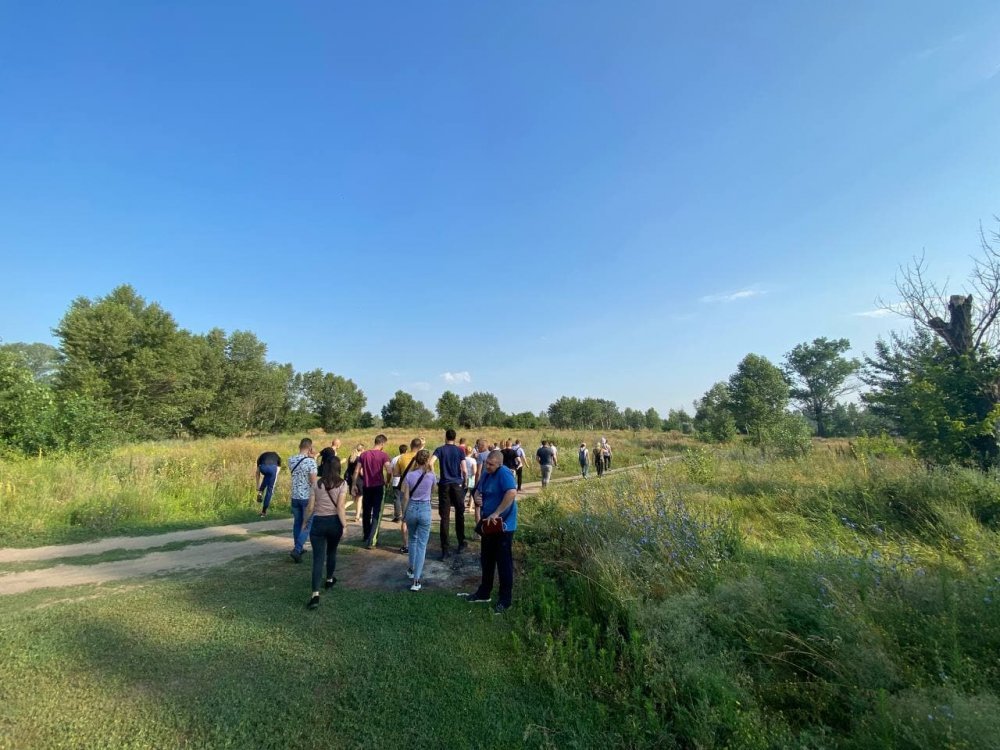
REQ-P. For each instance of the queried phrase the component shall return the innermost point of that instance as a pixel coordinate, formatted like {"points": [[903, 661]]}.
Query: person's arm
{"points": [[465, 473], [387, 472], [406, 495], [257, 477], [341, 502], [508, 500], [312, 497]]}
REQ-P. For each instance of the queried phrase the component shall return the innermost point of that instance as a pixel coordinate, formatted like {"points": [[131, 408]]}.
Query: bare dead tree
{"points": [[964, 325]]}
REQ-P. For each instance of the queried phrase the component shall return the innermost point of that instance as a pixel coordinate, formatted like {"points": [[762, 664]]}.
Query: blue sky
{"points": [[538, 199]]}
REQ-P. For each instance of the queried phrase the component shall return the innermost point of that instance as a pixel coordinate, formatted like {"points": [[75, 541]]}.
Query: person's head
{"points": [[422, 457], [402, 448], [481, 444], [326, 454], [544, 443], [494, 461], [507, 444], [305, 445], [380, 440], [583, 445], [517, 442], [330, 475], [416, 444], [468, 450], [335, 444], [449, 435], [462, 442]]}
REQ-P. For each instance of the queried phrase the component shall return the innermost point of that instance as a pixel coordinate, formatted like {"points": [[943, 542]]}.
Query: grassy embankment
{"points": [[162, 486], [731, 602], [721, 601]]}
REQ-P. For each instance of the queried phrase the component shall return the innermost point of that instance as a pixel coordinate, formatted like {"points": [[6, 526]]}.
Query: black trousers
{"points": [[371, 508], [519, 472], [497, 555], [324, 535], [451, 496]]}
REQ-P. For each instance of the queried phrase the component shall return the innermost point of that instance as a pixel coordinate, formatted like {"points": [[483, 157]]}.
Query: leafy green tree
{"points": [[524, 420], [758, 395], [713, 417], [480, 409], [679, 420], [449, 409], [633, 419], [652, 419], [336, 402], [819, 374], [42, 359], [367, 421], [130, 357], [940, 400], [405, 411], [563, 412], [26, 407]]}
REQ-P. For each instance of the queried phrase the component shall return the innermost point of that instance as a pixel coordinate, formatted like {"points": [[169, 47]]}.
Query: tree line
{"points": [[124, 370]]}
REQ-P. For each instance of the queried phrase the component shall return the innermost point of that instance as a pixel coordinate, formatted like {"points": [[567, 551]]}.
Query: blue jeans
{"points": [[584, 468], [300, 524], [418, 521], [268, 476]]}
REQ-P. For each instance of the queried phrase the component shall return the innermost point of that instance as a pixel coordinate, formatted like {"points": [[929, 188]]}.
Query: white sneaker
{"points": [[416, 586], [409, 574]]}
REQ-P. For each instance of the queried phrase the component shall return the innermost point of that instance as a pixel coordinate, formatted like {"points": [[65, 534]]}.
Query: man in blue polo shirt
{"points": [[497, 491]]}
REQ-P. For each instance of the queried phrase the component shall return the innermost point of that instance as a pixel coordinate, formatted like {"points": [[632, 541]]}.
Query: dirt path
{"points": [[378, 568]]}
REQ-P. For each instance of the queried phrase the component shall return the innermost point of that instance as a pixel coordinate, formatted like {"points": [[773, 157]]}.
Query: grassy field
{"points": [[234, 660], [845, 600], [725, 601], [163, 486]]}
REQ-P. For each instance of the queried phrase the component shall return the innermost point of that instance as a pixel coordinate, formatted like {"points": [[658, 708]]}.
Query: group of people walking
{"points": [[601, 456], [484, 477]]}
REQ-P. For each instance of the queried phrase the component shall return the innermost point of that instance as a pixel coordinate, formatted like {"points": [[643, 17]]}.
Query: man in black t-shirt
{"points": [[268, 466]]}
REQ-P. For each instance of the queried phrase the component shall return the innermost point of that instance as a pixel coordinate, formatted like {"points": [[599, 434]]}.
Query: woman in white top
{"points": [[326, 508]]}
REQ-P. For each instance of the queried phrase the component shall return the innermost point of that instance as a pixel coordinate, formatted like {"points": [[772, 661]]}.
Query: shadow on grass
{"points": [[233, 658]]}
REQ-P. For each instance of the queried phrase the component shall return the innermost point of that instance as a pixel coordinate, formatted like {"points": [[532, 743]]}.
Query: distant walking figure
{"points": [[584, 460], [268, 466], [599, 459], [546, 460]]}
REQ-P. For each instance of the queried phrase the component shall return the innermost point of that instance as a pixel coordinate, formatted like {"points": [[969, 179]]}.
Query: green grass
{"points": [[233, 659], [721, 601], [726, 601]]}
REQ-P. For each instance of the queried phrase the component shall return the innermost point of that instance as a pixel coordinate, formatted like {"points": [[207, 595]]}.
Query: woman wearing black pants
{"points": [[327, 525]]}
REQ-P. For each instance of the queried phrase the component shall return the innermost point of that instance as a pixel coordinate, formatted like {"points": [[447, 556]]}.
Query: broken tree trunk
{"points": [[957, 332]]}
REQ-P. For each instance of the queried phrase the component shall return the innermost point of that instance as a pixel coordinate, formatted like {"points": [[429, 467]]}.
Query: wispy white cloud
{"points": [[456, 377], [733, 296], [880, 313]]}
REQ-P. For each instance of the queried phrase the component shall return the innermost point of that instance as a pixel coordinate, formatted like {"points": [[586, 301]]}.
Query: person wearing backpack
{"points": [[418, 485], [584, 460], [302, 468]]}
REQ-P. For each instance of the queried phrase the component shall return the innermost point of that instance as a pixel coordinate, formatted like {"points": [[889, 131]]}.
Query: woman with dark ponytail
{"points": [[327, 525]]}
